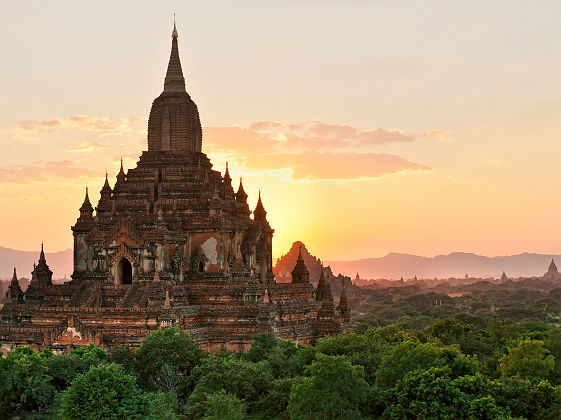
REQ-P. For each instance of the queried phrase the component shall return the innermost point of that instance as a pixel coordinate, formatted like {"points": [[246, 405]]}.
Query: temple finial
{"points": [[174, 81], [174, 32], [42, 254]]}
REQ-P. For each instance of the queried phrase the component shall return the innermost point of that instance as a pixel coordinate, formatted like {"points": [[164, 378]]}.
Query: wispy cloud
{"points": [[106, 125], [86, 146], [330, 166], [44, 172], [312, 150], [437, 134]]}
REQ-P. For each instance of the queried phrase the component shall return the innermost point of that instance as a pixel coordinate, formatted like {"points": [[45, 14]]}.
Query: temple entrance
{"points": [[124, 272]]}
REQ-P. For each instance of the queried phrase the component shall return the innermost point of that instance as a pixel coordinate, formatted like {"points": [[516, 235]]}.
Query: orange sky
{"points": [[425, 128]]}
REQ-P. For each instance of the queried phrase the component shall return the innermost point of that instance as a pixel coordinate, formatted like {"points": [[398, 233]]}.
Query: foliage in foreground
{"points": [[406, 370]]}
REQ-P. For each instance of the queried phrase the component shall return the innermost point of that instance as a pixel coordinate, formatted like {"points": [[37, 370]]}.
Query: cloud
{"points": [[311, 150], [106, 125], [44, 172], [437, 134], [344, 166], [86, 146]]}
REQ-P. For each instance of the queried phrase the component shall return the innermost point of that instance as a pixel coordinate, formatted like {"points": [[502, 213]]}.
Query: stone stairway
{"points": [[135, 295], [82, 294]]}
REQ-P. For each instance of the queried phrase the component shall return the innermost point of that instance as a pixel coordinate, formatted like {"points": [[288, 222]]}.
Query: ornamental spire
{"points": [[259, 214], [121, 175], [300, 273], [42, 255], [174, 81], [227, 177], [86, 211], [241, 195], [106, 184], [174, 32]]}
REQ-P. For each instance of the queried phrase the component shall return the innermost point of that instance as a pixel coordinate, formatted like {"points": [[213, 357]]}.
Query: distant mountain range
{"points": [[456, 264], [391, 266], [59, 262]]}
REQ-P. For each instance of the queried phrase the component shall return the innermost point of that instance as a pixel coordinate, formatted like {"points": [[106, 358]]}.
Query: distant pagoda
{"points": [[552, 272]]}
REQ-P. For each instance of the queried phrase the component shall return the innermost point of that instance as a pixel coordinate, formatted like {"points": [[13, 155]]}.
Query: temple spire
{"points": [[323, 290], [343, 307], [121, 175], [300, 273], [227, 177], [86, 211], [106, 184], [174, 81], [241, 195], [174, 32], [259, 214], [42, 255]]}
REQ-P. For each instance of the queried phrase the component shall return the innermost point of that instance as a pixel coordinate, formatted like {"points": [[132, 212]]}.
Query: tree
{"points": [[423, 394], [162, 406], [448, 330], [246, 380], [553, 344], [412, 355], [332, 389], [365, 349], [528, 360], [124, 356], [24, 382], [165, 359], [274, 403], [63, 368], [104, 392], [222, 405], [528, 400], [262, 344]]}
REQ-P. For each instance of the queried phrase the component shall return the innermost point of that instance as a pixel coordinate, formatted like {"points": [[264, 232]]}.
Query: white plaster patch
{"points": [[74, 333], [209, 249]]}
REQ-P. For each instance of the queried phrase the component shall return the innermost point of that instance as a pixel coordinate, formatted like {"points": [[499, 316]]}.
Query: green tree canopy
{"points": [[413, 355], [332, 389], [165, 359], [24, 383], [529, 360], [246, 380], [104, 392], [435, 393]]}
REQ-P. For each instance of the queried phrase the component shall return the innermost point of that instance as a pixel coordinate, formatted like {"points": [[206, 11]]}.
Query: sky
{"points": [[421, 127]]}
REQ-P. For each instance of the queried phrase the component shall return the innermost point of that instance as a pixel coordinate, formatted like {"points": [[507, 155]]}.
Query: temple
{"points": [[552, 272], [171, 243]]}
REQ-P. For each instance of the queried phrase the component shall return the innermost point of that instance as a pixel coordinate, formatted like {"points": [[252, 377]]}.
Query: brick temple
{"points": [[171, 243]]}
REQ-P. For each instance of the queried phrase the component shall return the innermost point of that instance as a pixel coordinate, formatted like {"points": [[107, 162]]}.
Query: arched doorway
{"points": [[124, 272]]}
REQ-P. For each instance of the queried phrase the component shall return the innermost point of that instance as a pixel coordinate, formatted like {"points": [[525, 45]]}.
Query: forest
{"points": [[485, 355]]}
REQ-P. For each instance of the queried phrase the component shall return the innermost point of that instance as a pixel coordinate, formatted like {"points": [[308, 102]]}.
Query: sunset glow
{"points": [[368, 130]]}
